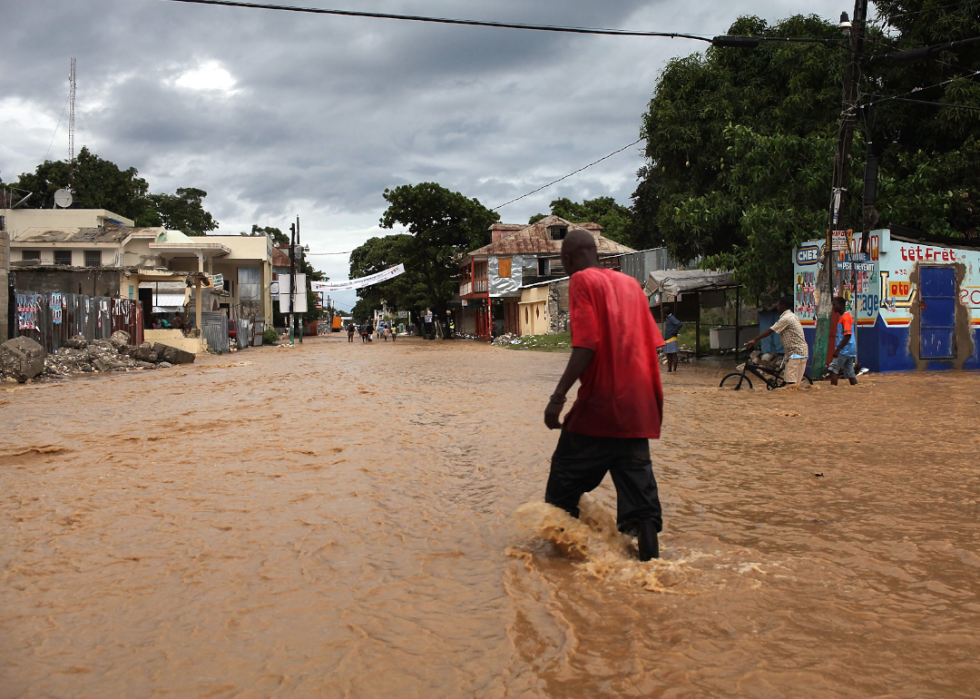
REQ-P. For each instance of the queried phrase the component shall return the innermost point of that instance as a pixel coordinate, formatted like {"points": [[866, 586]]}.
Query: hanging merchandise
{"points": [[55, 305], [27, 307]]}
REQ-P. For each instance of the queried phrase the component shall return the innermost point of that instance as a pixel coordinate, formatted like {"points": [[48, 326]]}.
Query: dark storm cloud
{"points": [[323, 113]]}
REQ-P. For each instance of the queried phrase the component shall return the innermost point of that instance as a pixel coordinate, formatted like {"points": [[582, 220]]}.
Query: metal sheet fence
{"points": [[639, 264], [51, 318], [215, 327]]}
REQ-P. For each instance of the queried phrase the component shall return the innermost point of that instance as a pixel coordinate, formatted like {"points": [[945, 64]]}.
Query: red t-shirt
{"points": [[620, 395]]}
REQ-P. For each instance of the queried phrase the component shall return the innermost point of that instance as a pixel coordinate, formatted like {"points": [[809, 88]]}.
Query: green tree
{"points": [[184, 211], [740, 143], [614, 218], [99, 184], [277, 236], [443, 225]]}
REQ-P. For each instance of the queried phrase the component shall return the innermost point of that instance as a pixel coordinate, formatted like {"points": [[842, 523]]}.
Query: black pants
{"points": [[580, 463]]}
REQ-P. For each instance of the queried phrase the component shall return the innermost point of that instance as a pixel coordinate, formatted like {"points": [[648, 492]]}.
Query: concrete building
{"points": [[228, 273], [915, 298]]}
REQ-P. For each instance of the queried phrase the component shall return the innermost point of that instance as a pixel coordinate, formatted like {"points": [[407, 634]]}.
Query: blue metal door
{"points": [[937, 319]]}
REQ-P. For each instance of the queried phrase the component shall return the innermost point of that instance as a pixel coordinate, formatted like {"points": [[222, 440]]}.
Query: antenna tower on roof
{"points": [[71, 128]]}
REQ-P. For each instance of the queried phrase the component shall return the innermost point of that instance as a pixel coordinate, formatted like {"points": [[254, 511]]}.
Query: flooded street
{"points": [[339, 520]]}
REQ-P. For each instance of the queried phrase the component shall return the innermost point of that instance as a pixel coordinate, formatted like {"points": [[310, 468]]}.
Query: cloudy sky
{"points": [[279, 114]]}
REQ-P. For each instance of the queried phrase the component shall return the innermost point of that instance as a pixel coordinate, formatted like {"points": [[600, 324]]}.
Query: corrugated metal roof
{"points": [[535, 239]]}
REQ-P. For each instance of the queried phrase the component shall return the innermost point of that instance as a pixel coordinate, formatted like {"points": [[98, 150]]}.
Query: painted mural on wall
{"points": [[855, 278], [916, 304]]}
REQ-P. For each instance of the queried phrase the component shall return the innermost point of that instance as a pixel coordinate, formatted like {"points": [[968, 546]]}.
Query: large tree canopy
{"points": [[740, 143], [442, 225], [100, 184], [614, 218]]}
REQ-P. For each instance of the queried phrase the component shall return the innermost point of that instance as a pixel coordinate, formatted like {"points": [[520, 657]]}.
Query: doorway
{"points": [[937, 313]]}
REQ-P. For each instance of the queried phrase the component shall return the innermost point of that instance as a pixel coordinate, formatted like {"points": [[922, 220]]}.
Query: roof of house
{"points": [[280, 258], [80, 235], [535, 239]]}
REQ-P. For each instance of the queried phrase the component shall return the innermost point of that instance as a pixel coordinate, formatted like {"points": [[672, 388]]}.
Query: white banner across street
{"points": [[359, 283]]}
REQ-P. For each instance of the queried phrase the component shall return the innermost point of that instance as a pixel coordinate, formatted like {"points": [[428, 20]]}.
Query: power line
{"points": [[565, 177], [938, 104], [445, 20], [920, 89], [67, 99]]}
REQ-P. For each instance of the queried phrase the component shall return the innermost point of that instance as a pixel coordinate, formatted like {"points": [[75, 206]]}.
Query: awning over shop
{"points": [[674, 282]]}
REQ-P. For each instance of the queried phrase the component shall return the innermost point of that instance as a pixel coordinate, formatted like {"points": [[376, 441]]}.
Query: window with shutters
{"points": [[93, 258], [62, 257], [30, 255], [503, 268]]}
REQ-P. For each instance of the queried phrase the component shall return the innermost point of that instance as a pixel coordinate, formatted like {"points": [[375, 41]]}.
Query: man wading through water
{"points": [[620, 400]]}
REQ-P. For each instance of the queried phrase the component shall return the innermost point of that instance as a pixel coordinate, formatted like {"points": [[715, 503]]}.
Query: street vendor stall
{"points": [[673, 285]]}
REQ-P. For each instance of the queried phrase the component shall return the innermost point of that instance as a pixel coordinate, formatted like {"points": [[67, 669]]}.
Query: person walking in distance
{"points": [[792, 338], [620, 400], [845, 351], [350, 331], [672, 328]]}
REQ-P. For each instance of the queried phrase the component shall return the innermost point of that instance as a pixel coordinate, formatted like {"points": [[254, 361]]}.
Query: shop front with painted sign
{"points": [[915, 299]]}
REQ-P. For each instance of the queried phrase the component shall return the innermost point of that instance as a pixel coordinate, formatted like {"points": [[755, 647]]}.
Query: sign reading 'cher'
{"points": [[359, 283]]}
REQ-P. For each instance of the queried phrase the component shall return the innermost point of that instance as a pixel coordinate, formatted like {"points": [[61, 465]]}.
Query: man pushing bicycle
{"points": [[791, 335]]}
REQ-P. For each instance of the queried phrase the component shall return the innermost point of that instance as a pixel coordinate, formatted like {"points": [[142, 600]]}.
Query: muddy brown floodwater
{"points": [[339, 520]]}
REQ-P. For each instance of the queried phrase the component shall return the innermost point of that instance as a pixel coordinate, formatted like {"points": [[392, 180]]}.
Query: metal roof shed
{"points": [[675, 282]]}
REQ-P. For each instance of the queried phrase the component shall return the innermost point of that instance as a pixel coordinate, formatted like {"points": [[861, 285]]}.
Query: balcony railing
{"points": [[474, 286]]}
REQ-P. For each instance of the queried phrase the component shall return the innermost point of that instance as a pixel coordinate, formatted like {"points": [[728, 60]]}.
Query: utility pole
{"points": [[842, 161], [300, 246], [292, 281]]}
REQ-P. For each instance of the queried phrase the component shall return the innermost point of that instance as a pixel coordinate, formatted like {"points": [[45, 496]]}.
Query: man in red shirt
{"points": [[620, 399]]}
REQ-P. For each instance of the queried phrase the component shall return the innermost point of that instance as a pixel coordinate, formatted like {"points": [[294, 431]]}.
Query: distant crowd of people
{"points": [[368, 330]]}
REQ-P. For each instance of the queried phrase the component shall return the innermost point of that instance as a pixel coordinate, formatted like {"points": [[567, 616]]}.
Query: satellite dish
{"points": [[62, 198]]}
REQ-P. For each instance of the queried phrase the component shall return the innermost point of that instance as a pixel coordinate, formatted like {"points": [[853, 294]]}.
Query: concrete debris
{"points": [[505, 339], [77, 342], [21, 359], [112, 355], [119, 339]]}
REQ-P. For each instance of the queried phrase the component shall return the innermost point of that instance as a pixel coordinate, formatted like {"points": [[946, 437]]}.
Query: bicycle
{"points": [[738, 379]]}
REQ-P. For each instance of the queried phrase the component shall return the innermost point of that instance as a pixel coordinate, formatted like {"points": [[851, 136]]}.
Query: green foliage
{"points": [[100, 184], [184, 211], [740, 144], [559, 342], [270, 336], [277, 236], [442, 225], [614, 218]]}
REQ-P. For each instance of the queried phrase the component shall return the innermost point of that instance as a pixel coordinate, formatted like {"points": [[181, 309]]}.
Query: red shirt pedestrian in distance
{"points": [[620, 400]]}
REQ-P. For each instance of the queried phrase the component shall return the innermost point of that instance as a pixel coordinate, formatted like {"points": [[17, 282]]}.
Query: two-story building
{"points": [[507, 286]]}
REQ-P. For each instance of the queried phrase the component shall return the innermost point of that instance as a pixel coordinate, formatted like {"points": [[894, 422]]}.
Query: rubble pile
{"points": [[79, 356], [505, 339]]}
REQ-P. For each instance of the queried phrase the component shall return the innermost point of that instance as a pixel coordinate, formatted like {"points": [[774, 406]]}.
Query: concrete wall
{"points": [[19, 220], [106, 256], [91, 282]]}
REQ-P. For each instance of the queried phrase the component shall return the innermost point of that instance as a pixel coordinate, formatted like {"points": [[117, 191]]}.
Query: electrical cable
{"points": [[445, 20], [595, 162], [44, 159], [921, 89], [938, 104]]}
